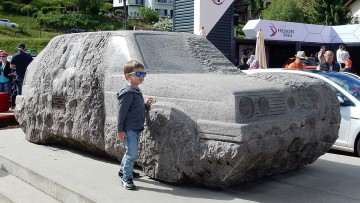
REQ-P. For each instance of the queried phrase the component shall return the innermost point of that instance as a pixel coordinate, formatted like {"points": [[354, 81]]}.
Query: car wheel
{"points": [[13, 26], [357, 147]]}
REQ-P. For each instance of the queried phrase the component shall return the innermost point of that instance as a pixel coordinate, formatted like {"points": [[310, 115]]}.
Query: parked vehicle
{"points": [[347, 88], [74, 30], [8, 23], [310, 62]]}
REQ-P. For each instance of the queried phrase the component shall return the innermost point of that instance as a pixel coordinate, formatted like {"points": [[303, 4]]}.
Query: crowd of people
{"points": [[326, 61], [12, 72]]}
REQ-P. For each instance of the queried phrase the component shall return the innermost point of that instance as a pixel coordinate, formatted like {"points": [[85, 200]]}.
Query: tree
{"points": [[258, 7], [284, 10], [148, 15], [329, 12], [25, 1], [90, 6], [69, 5]]}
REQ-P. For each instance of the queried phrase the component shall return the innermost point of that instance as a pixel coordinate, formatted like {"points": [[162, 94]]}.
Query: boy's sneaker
{"points": [[128, 184], [135, 175]]}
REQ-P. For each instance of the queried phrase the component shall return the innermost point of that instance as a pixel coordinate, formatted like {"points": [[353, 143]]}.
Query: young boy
{"points": [[131, 119]]}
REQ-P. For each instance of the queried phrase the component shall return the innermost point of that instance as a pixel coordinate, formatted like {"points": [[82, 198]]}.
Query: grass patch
{"points": [[27, 33], [10, 44]]}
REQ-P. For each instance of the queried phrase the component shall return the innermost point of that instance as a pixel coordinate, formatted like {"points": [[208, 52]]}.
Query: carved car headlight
{"points": [[263, 105], [246, 108]]}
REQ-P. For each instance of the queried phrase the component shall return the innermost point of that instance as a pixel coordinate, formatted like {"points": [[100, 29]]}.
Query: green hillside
{"points": [[41, 20], [27, 33]]}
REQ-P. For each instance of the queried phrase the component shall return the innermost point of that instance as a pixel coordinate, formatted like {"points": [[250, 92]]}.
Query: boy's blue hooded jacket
{"points": [[131, 115]]}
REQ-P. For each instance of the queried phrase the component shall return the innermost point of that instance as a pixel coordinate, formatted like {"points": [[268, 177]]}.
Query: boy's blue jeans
{"points": [[131, 143]]}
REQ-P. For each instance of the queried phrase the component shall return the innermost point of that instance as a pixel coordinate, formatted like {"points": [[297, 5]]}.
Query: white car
{"points": [[8, 23], [347, 87]]}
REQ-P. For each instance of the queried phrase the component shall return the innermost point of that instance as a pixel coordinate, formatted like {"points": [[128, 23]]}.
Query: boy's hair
{"points": [[131, 65]]}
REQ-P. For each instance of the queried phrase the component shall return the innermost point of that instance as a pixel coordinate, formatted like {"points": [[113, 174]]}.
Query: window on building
{"points": [[164, 1], [161, 12], [120, 1]]}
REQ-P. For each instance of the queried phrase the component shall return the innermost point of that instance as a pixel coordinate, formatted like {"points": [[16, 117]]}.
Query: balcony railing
{"points": [[164, 1], [135, 2]]}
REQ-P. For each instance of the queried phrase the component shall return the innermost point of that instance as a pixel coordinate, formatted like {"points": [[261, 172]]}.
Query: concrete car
{"points": [[211, 124], [8, 23], [347, 87]]}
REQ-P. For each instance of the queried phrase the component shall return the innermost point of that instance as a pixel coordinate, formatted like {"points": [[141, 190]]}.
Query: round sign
{"points": [[218, 2]]}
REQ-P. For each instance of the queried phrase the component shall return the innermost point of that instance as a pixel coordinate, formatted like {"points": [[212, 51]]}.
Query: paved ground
{"points": [[332, 178]]}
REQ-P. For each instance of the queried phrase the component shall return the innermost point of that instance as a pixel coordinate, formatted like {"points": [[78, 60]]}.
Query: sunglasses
{"points": [[138, 73]]}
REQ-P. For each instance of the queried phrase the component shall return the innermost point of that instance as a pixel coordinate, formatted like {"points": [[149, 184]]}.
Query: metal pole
{"points": [[28, 24], [124, 19]]}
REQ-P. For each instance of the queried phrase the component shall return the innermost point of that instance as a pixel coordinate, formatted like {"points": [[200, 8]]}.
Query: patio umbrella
{"points": [[260, 50]]}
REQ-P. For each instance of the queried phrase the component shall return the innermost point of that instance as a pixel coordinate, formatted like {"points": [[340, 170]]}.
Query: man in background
{"points": [[20, 62], [299, 61], [329, 65]]}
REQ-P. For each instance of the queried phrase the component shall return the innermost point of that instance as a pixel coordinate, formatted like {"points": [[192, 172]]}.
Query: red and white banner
{"points": [[289, 31]]}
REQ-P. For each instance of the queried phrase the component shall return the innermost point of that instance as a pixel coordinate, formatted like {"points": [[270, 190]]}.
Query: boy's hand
{"points": [[121, 136], [149, 101]]}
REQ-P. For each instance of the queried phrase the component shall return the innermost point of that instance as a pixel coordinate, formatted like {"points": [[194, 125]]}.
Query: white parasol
{"points": [[260, 50]]}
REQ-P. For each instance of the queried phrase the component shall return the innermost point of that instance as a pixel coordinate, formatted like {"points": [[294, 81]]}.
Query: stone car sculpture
{"points": [[211, 124]]}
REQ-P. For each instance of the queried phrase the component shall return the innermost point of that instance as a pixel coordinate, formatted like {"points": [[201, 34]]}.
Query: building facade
{"points": [[163, 7], [217, 18], [354, 6]]}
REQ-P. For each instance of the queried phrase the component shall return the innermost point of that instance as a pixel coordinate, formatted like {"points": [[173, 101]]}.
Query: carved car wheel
{"points": [[167, 144]]}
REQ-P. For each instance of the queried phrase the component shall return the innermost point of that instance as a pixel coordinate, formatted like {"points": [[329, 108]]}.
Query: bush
{"points": [[46, 10], [164, 24], [11, 7], [148, 16], [20, 9], [32, 9], [106, 6]]}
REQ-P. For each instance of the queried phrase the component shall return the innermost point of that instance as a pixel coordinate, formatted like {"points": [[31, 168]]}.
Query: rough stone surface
{"points": [[211, 124]]}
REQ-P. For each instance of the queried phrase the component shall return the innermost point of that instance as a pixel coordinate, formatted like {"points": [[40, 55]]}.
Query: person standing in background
{"points": [[20, 61], [344, 54], [348, 66], [320, 56], [5, 79], [299, 61], [330, 65], [243, 64], [203, 32], [338, 52], [250, 60]]}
